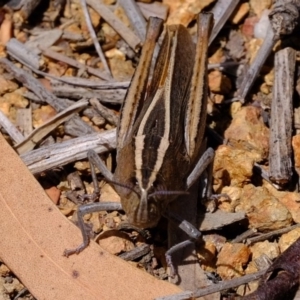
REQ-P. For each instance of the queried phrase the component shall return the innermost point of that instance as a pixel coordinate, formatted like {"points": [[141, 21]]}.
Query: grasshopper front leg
{"points": [[86, 209], [94, 160]]}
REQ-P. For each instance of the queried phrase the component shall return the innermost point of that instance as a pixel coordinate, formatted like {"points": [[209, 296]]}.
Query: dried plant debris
{"points": [[65, 68]]}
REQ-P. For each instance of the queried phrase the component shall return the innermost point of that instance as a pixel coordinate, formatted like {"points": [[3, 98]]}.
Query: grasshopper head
{"points": [[142, 209]]}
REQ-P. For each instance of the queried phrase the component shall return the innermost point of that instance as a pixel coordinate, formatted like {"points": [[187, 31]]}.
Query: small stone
{"points": [[13, 287], [288, 239], [296, 151], [247, 131], [108, 194], [54, 194], [183, 12], [248, 26], [115, 242], [234, 195], [232, 260], [266, 248], [259, 5], [218, 83], [16, 98], [232, 167], [121, 69], [217, 99], [265, 89], [261, 27], [207, 256], [291, 200], [4, 270], [7, 86], [240, 12], [264, 211], [42, 115]]}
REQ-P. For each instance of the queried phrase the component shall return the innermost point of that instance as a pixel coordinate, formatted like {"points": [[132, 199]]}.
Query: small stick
{"points": [[105, 96], [104, 112], [93, 36], [60, 154], [32, 83], [131, 39], [135, 17], [257, 64], [135, 253], [269, 235], [26, 7], [281, 117], [216, 287], [74, 63], [283, 20], [240, 238], [77, 126], [36, 136], [285, 16], [222, 11], [10, 128], [89, 83], [22, 53]]}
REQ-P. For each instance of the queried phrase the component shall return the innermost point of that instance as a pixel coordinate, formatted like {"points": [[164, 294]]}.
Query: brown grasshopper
{"points": [[161, 130]]}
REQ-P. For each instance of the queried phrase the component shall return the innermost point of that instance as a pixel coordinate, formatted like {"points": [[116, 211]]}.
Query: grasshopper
{"points": [[160, 135]]}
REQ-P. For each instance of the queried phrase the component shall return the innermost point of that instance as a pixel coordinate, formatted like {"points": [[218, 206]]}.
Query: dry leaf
{"points": [[34, 235]]}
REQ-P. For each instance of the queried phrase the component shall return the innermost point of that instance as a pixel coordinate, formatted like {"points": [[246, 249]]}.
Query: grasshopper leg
{"points": [[86, 209], [92, 207]]}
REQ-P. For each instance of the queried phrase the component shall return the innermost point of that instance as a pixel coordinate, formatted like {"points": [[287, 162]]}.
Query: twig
{"points": [[283, 20], [89, 83], [105, 96], [27, 7], [60, 154], [136, 252], [77, 125], [135, 17], [10, 128], [222, 286], [257, 64], [35, 137], [269, 235], [280, 161], [93, 36], [244, 235], [131, 39], [285, 16], [72, 62], [33, 84], [22, 53], [104, 112], [222, 11]]}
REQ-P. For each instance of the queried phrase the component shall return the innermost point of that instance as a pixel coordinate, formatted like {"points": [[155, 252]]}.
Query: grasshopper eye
{"points": [[130, 185]]}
